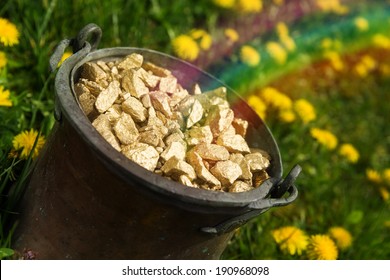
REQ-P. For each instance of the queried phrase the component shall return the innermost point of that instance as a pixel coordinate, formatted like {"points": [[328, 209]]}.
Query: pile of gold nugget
{"points": [[193, 138]]}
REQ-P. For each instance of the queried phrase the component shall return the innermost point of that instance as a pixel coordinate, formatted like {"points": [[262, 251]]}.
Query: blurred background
{"points": [[317, 72]]}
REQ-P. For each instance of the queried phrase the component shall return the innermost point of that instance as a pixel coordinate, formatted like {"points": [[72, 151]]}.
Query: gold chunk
{"points": [[115, 74], [179, 118], [168, 84], [197, 135], [244, 165], [177, 97], [219, 119], [107, 97], [196, 114], [149, 79], [174, 149], [211, 151], [160, 102], [233, 143], [175, 167], [183, 179], [87, 102], [151, 137], [80, 88], [185, 105], [172, 126], [156, 70], [92, 86], [146, 102], [132, 83], [175, 137], [204, 100], [259, 178], [196, 89], [126, 130], [218, 92], [262, 152], [131, 61], [226, 172], [143, 154], [104, 67], [257, 161], [114, 113], [230, 131], [156, 123], [240, 186], [135, 108], [103, 126], [93, 72], [241, 126], [217, 97], [162, 117], [200, 169]]}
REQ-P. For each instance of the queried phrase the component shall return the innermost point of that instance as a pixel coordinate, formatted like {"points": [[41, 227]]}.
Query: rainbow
{"points": [[309, 32]]}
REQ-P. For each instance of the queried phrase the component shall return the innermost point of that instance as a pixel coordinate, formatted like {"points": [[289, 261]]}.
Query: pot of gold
{"points": [[150, 158]]}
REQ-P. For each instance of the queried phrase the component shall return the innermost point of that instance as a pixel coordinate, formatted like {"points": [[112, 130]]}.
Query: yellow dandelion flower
{"points": [[384, 69], [282, 29], [249, 56], [257, 105], [278, 2], [25, 141], [227, 4], [276, 99], [185, 47], [324, 137], [341, 236], [3, 60], [341, 10], [287, 116], [249, 6], [4, 97], [386, 175], [64, 57], [332, 6], [9, 34], [231, 34], [305, 110], [384, 193], [349, 152], [204, 38], [290, 239], [361, 23], [321, 247], [288, 43], [373, 176], [277, 52], [361, 70], [381, 41], [369, 62], [335, 60], [326, 43]]}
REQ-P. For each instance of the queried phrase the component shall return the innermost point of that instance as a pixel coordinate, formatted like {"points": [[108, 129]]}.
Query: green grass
{"points": [[332, 191]]}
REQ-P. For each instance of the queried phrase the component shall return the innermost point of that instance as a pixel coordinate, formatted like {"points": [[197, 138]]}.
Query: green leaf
{"points": [[5, 253]]}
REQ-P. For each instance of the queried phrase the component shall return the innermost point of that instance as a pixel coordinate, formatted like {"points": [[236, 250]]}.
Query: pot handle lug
{"points": [[86, 41], [260, 206], [89, 36]]}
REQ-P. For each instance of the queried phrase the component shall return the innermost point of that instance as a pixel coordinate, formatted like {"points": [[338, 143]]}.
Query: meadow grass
{"points": [[351, 104]]}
